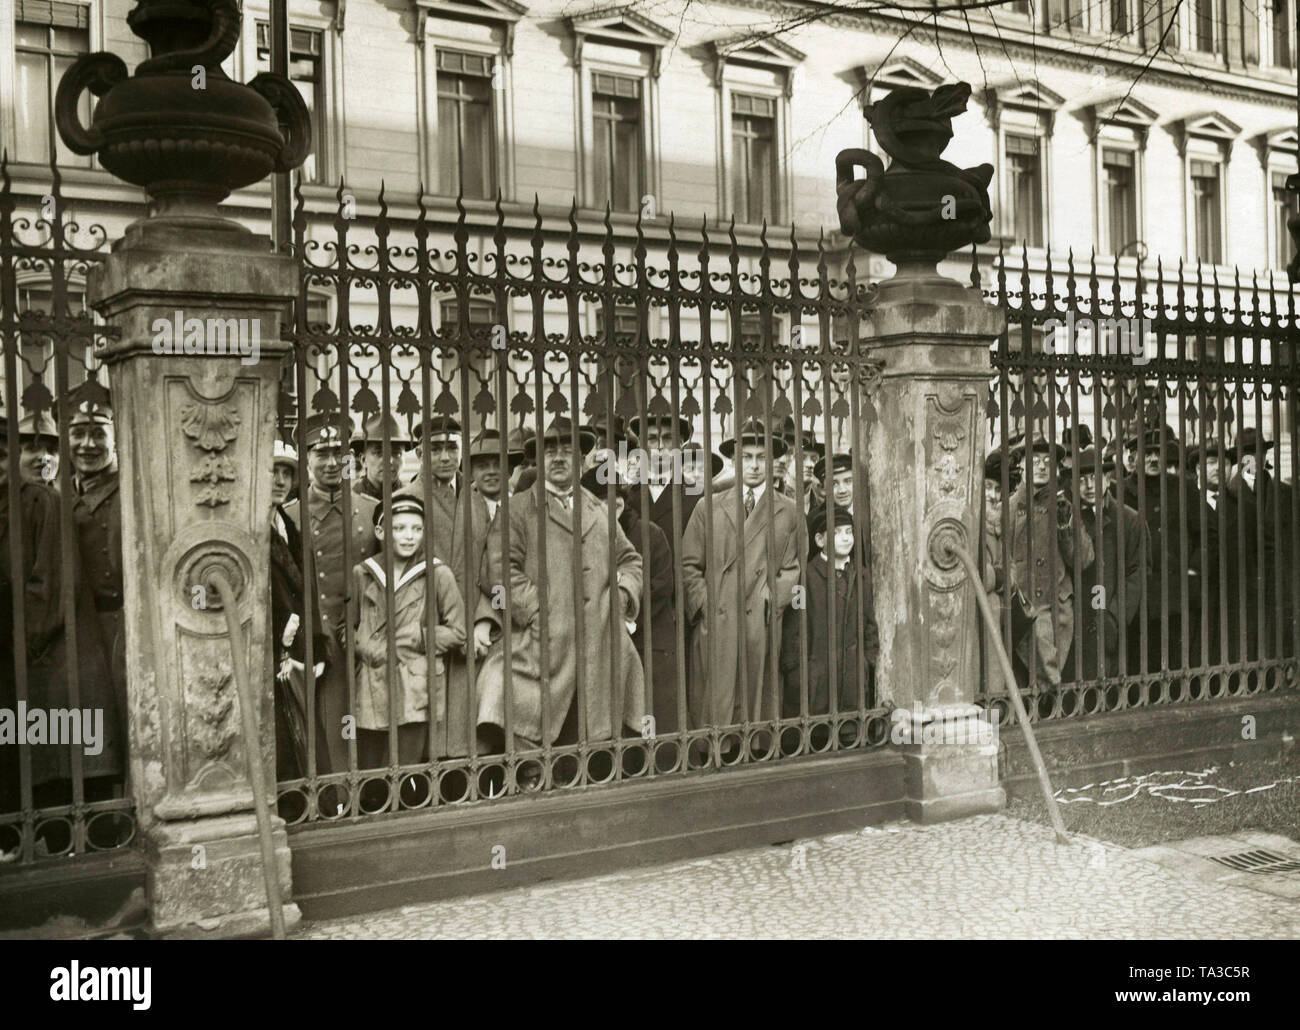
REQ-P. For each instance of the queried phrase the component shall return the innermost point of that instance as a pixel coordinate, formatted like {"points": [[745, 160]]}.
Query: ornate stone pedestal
{"points": [[925, 465], [194, 438]]}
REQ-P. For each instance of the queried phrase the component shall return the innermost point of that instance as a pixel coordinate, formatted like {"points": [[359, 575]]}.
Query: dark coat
{"points": [[1182, 504], [661, 618], [1261, 560], [819, 656], [733, 636], [661, 511], [332, 578], [1100, 584], [291, 697]]}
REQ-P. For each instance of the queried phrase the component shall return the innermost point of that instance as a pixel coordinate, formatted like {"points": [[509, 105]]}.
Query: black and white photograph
{"points": [[660, 470]]}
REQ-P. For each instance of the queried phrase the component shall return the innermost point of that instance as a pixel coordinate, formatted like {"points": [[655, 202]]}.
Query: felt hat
{"points": [[561, 430], [1250, 441], [32, 428], [599, 428], [373, 432], [752, 433], [1088, 461], [488, 445], [664, 422], [695, 447], [1039, 444], [993, 463], [1211, 449]]}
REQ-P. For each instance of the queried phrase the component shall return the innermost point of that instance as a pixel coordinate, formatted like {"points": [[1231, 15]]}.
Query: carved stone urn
{"points": [[922, 208], [181, 128]]}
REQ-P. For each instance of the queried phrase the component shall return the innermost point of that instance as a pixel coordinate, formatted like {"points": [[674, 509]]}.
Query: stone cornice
{"points": [[1079, 51]]}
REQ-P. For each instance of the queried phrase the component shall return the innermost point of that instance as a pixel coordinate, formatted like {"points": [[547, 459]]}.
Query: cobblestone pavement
{"points": [[984, 877]]}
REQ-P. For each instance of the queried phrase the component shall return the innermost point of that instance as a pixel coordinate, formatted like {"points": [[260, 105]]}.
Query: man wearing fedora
{"points": [[738, 586], [329, 526], [546, 592], [469, 542], [1168, 502], [995, 572], [1112, 585], [1044, 563], [368, 449], [1213, 466], [1260, 552], [659, 435]]}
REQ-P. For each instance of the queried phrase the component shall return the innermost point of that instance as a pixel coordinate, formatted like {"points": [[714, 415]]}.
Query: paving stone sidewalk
{"points": [[985, 877]]}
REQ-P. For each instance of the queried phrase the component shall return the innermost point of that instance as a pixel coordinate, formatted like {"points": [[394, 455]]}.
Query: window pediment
{"points": [[1028, 97], [896, 72], [622, 26], [772, 54], [501, 13], [1212, 127]]}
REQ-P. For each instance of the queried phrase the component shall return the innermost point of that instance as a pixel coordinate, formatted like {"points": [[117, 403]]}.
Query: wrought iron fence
{"points": [[63, 762], [1169, 391], [648, 625]]}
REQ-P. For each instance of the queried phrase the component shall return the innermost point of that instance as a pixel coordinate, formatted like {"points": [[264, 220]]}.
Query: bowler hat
{"points": [[599, 427], [1090, 459], [561, 430], [1250, 441], [715, 462], [1210, 449], [684, 428], [373, 432], [751, 433], [1040, 443]]}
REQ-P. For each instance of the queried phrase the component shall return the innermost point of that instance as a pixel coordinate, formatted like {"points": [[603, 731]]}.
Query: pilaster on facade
{"points": [[1023, 109]]}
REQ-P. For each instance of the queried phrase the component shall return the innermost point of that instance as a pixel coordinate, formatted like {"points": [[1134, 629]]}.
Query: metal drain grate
{"points": [[1258, 862]]}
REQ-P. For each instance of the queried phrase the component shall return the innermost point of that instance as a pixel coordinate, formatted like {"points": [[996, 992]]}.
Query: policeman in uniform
{"points": [[328, 528]]}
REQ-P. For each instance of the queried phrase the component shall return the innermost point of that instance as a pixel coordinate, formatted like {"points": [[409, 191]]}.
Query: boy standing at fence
{"points": [[405, 685], [831, 570]]}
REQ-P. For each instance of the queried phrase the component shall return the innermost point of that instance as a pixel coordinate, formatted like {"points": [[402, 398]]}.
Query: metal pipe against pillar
{"points": [[218, 582], [281, 192], [1013, 689]]}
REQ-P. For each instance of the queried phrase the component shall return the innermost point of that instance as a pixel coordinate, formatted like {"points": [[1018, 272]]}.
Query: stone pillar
{"points": [[199, 302], [194, 436], [925, 463]]}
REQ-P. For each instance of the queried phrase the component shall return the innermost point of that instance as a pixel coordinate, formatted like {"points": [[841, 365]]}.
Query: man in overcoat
{"points": [[451, 735], [1044, 562], [1259, 538], [601, 673], [439, 443], [662, 437], [329, 527], [738, 586], [1112, 586]]}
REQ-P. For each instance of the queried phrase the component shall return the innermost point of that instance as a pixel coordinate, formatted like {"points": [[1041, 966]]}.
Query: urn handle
{"points": [[856, 157], [292, 114], [98, 73]]}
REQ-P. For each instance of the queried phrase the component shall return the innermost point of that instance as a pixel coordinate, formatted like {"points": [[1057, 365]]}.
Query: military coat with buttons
{"points": [[328, 570]]}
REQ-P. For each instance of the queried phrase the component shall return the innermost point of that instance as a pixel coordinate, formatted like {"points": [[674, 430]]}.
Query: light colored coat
{"points": [[608, 700], [408, 628], [726, 639]]}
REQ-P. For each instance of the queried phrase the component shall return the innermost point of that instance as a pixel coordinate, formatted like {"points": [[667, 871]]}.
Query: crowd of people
{"points": [[538, 588], [548, 588], [1160, 566]]}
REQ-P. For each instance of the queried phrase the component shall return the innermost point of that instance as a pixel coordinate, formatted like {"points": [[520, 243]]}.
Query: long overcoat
{"points": [[468, 541], [661, 617], [1100, 583], [732, 636], [1260, 553], [1043, 578], [411, 677], [606, 669]]}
